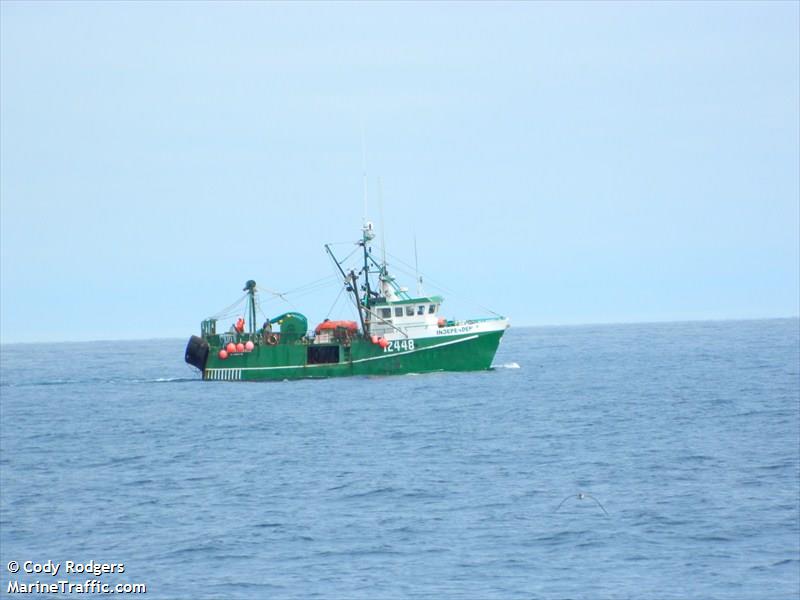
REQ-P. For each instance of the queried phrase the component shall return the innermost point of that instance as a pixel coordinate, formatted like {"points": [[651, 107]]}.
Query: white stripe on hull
{"points": [[390, 355]]}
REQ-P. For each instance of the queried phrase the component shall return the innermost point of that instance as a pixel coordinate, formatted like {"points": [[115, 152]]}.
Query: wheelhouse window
{"points": [[398, 311], [431, 309], [386, 313], [421, 309], [409, 311]]}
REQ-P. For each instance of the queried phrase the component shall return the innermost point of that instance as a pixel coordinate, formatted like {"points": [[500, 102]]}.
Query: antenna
{"points": [[416, 268], [364, 168], [383, 228]]}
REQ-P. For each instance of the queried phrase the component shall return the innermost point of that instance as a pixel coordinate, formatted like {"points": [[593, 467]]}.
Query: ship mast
{"points": [[250, 288], [351, 281], [364, 303], [368, 234]]}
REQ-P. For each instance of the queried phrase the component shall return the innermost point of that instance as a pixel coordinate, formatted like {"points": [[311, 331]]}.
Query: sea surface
{"points": [[448, 485]]}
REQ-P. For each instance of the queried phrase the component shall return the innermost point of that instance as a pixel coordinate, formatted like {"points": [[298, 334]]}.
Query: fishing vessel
{"points": [[396, 333]]}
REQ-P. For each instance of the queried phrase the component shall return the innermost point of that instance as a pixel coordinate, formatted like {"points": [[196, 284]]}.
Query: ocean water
{"points": [[447, 485]]}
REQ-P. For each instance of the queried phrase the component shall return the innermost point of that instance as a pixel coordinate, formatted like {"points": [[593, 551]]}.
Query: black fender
{"points": [[197, 352]]}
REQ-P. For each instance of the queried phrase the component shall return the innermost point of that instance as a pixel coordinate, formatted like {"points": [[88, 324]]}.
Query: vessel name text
{"points": [[454, 330]]}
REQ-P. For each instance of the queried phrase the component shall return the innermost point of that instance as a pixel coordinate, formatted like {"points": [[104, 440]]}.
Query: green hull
{"points": [[467, 352]]}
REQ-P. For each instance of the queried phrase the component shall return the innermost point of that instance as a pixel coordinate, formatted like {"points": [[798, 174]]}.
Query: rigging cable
{"points": [[335, 302], [440, 286], [222, 314]]}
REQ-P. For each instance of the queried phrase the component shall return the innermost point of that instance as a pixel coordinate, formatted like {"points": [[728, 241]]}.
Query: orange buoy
{"points": [[231, 347], [442, 322], [374, 339], [248, 347], [240, 347], [223, 355], [383, 342]]}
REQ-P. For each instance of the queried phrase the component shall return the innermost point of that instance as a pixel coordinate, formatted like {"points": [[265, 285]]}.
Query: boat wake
{"points": [[123, 381], [510, 365]]}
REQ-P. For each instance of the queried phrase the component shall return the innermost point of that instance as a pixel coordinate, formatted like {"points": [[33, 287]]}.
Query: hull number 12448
{"points": [[399, 345]]}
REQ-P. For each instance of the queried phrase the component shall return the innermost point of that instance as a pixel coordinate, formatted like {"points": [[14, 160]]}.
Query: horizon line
{"points": [[534, 326]]}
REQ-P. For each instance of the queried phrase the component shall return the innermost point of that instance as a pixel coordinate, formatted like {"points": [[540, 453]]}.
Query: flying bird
{"points": [[581, 496]]}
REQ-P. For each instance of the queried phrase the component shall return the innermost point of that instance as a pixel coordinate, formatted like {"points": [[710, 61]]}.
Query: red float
{"points": [[223, 355], [248, 347], [231, 347], [240, 347], [383, 342]]}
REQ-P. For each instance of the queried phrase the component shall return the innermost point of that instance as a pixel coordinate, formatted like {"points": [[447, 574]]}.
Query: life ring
{"points": [[272, 339]]}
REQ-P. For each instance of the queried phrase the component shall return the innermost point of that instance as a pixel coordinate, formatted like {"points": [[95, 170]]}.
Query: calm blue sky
{"points": [[559, 163]]}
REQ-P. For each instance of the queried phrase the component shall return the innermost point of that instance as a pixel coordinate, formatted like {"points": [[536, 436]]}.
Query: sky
{"points": [[558, 163]]}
